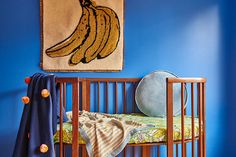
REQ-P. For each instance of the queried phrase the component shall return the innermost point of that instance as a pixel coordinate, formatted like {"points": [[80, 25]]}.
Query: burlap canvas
{"points": [[82, 35]]}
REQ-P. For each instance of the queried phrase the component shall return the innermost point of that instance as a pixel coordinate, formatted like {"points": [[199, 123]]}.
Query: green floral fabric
{"points": [[157, 133]]}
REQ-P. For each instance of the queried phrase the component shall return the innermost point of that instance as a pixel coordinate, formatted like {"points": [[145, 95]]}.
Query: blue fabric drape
{"points": [[39, 118]]}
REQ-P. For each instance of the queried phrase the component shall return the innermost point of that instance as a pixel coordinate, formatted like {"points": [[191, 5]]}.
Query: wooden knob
{"points": [[45, 93], [25, 99], [43, 148], [27, 80]]}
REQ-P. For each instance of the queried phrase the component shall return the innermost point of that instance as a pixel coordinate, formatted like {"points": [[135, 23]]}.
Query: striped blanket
{"points": [[106, 135]]}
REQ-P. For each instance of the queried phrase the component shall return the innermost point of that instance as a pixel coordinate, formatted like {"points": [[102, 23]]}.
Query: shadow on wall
{"points": [[10, 109], [229, 69], [6, 140]]}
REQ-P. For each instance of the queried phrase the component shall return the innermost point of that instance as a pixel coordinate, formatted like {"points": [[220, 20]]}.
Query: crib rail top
{"points": [[170, 80]]}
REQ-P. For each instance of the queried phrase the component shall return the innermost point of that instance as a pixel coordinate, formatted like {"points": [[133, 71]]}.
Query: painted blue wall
{"points": [[189, 38], [229, 72]]}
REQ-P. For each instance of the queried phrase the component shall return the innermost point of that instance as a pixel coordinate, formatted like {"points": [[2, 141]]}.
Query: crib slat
{"points": [[124, 97], [75, 110], [146, 151], [106, 96], [182, 120], [159, 151], [86, 95], [204, 119], [61, 120], [64, 150], [84, 152], [64, 95], [185, 113], [134, 151], [177, 150], [64, 105], [192, 113], [84, 89], [200, 118], [116, 97], [98, 88], [169, 100]]}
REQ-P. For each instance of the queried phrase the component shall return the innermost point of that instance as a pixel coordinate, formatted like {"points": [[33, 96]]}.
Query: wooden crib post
{"points": [[75, 124], [204, 119], [169, 109]]}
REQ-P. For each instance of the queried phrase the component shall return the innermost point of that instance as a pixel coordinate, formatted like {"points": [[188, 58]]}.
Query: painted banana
{"points": [[103, 27], [114, 34], [97, 35], [107, 33], [76, 39], [80, 51]]}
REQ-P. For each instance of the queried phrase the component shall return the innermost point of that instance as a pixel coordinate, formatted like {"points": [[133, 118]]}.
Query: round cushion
{"points": [[150, 95]]}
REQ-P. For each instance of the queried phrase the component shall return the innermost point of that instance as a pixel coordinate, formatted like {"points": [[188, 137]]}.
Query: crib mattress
{"points": [[150, 135]]}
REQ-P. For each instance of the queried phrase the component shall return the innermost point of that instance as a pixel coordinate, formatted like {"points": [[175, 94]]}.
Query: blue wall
{"points": [[229, 72], [189, 38]]}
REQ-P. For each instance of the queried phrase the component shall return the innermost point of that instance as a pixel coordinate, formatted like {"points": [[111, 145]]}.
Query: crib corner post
{"points": [[169, 111], [204, 119], [75, 122]]}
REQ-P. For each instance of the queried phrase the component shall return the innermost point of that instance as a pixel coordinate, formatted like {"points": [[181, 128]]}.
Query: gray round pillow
{"points": [[150, 95]]}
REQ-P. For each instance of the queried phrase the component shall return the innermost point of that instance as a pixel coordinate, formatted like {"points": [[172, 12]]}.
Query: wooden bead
{"points": [[27, 80], [25, 99], [45, 93], [43, 148]]}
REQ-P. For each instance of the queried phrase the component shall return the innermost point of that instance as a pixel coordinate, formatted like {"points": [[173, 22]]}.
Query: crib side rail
{"points": [[201, 104]]}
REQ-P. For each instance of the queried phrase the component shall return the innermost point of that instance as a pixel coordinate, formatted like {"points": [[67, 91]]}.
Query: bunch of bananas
{"points": [[96, 35]]}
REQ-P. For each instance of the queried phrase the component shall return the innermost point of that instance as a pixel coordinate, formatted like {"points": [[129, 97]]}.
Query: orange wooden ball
{"points": [[43, 148], [27, 80], [45, 93], [25, 99]]}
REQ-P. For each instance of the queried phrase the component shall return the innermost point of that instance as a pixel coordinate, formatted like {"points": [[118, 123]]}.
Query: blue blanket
{"points": [[39, 118]]}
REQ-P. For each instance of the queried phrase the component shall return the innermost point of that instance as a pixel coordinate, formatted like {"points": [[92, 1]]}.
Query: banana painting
{"points": [[96, 35]]}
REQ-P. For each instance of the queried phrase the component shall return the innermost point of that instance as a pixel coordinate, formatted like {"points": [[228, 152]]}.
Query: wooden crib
{"points": [[81, 97]]}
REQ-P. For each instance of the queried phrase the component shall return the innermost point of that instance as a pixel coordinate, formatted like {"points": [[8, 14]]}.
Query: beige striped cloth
{"points": [[105, 134]]}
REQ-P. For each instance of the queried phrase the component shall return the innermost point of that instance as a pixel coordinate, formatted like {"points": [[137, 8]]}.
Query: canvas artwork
{"points": [[82, 35]]}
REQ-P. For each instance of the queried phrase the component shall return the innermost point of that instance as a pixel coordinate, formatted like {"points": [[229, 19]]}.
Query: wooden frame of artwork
{"points": [[82, 35]]}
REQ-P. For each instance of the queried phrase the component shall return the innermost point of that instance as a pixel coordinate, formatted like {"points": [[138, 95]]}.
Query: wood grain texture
{"points": [[146, 151], [61, 120], [204, 119], [116, 98], [192, 115], [200, 146], [169, 108], [182, 120], [98, 96], [75, 124], [186, 80], [86, 95]]}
